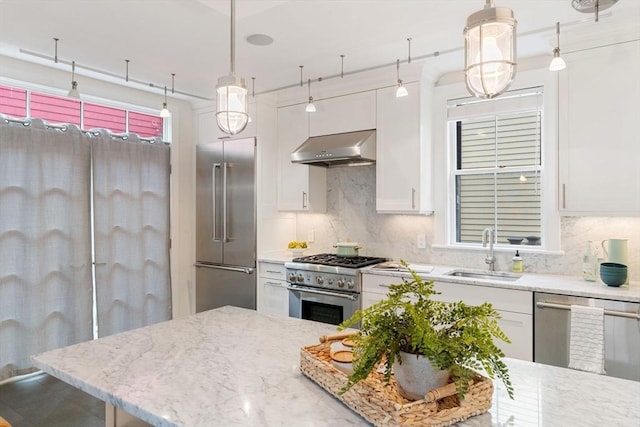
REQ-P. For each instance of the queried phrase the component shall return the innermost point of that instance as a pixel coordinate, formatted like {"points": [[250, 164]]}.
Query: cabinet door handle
{"points": [[273, 284], [304, 200], [382, 285], [274, 271], [564, 196], [616, 313]]}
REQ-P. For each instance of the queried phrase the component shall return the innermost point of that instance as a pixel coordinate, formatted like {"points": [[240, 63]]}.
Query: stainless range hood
{"points": [[341, 149]]}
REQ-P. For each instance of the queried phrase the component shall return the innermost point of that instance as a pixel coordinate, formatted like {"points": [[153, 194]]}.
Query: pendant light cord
{"points": [[233, 36]]}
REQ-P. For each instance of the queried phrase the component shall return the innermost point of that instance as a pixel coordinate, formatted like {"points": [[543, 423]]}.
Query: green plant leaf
{"points": [[454, 336]]}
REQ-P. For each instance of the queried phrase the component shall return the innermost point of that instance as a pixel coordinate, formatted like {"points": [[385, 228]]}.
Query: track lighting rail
{"points": [[551, 28], [110, 74]]}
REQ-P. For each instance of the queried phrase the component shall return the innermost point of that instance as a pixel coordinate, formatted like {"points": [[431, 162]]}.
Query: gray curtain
{"points": [[131, 220], [45, 245]]}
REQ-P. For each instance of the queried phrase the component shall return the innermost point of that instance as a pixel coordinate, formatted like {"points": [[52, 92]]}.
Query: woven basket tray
{"points": [[381, 404]]}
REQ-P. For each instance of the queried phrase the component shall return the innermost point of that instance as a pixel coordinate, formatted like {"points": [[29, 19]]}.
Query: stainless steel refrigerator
{"points": [[225, 224]]}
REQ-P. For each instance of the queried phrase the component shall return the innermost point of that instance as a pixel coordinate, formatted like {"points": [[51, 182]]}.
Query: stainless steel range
{"points": [[326, 287]]}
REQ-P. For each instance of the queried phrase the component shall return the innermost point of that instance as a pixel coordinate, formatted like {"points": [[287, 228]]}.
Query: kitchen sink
{"points": [[485, 275]]}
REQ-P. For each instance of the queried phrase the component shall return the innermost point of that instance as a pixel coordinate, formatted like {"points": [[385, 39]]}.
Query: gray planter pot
{"points": [[416, 376]]}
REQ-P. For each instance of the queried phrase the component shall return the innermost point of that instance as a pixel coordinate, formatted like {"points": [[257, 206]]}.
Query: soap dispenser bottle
{"points": [[517, 265]]}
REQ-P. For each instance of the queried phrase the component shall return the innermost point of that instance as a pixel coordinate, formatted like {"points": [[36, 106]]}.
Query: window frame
{"points": [[444, 162], [533, 104], [110, 103]]}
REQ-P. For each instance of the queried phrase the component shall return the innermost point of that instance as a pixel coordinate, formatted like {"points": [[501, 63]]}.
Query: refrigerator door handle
{"points": [[246, 270], [225, 238], [214, 213]]}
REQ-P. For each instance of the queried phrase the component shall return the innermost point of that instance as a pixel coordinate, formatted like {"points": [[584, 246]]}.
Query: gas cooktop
{"points": [[340, 261]]}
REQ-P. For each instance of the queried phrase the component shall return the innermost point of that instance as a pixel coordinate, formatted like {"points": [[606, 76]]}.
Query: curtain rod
{"points": [[64, 128]]}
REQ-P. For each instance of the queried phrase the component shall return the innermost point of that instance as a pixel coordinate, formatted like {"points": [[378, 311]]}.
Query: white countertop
{"points": [[232, 366], [556, 284], [564, 285]]}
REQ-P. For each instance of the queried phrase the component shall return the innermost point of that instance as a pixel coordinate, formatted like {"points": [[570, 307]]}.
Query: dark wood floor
{"points": [[42, 400]]}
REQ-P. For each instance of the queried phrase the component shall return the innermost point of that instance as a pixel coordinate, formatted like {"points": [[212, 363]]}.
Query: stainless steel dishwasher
{"points": [[551, 332]]}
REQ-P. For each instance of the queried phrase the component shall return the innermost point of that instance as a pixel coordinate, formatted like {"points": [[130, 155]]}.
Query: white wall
{"points": [[57, 82]]}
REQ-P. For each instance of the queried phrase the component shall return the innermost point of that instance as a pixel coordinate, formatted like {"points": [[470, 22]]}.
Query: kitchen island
{"points": [[232, 366]]}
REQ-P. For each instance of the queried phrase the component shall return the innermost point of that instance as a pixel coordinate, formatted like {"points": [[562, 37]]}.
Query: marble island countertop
{"points": [[232, 366], [557, 284]]}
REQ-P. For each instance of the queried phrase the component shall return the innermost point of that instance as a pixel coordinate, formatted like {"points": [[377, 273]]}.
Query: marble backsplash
{"points": [[351, 215]]}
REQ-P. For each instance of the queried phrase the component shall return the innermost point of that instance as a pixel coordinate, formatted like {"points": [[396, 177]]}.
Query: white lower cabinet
{"points": [[273, 295], [514, 306]]}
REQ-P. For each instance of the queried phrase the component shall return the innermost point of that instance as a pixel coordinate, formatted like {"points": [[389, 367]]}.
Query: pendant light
{"points": [[401, 90], [232, 111], [557, 63], [310, 107], [164, 113], [490, 51], [73, 92]]}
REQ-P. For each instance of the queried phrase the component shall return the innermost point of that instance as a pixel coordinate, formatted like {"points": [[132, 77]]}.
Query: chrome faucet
{"points": [[489, 234]]}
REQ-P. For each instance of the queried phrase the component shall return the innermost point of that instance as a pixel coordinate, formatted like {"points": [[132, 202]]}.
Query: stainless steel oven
{"points": [[325, 288], [321, 306]]}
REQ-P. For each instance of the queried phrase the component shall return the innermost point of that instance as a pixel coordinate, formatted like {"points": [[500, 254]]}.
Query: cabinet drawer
{"points": [[502, 299], [519, 328], [272, 270], [378, 284]]}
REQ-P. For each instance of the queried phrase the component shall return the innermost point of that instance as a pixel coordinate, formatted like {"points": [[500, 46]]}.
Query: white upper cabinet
{"points": [[300, 187], [599, 140], [403, 183], [343, 114]]}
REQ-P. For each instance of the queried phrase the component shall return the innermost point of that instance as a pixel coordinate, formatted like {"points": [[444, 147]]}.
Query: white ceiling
{"points": [[191, 37]]}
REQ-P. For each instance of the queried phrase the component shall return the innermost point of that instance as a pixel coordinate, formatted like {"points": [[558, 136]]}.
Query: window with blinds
{"points": [[498, 166]]}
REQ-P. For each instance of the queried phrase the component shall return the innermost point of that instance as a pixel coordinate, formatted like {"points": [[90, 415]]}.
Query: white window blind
{"points": [[498, 166]]}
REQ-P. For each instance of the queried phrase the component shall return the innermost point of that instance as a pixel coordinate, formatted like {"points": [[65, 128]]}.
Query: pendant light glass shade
{"points": [[165, 113], [490, 51], [232, 115], [557, 63], [310, 108], [401, 90], [73, 92], [232, 101]]}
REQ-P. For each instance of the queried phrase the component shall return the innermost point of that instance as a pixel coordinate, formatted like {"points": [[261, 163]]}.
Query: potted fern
{"points": [[452, 337]]}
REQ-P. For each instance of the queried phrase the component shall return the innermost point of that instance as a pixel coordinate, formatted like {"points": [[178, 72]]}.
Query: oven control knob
{"points": [[292, 277], [319, 280], [300, 278], [350, 284], [330, 281], [340, 283]]}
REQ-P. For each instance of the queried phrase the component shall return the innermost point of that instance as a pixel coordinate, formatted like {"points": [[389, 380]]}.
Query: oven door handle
{"points": [[319, 292]]}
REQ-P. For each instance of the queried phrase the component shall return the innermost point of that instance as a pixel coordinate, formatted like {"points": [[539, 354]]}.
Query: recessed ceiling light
{"points": [[260, 39]]}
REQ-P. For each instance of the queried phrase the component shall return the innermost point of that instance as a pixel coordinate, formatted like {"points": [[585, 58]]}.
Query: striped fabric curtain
{"points": [[46, 295]]}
